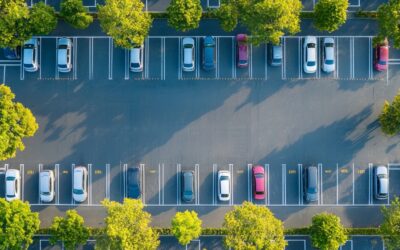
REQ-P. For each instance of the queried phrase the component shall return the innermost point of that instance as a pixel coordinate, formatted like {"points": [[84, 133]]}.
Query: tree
{"points": [[69, 230], [127, 227], [18, 224], [266, 21], [184, 15], [329, 15], [42, 19], [125, 21], [388, 19], [74, 13], [16, 122], [14, 15], [390, 117], [186, 226], [253, 227], [327, 233], [390, 228]]}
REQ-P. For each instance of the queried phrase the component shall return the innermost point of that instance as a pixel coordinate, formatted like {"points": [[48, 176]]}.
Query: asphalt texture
{"points": [[106, 118]]}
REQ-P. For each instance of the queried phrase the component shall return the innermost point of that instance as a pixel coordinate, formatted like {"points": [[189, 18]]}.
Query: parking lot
{"points": [[348, 185], [216, 242], [96, 58]]}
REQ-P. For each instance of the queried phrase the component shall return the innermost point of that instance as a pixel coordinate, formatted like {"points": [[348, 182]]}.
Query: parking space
{"points": [[241, 179], [329, 178], [362, 184], [345, 184], [99, 179], [394, 176]]}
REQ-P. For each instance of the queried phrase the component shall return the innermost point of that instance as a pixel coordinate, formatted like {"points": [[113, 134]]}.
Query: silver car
{"points": [[381, 182], [328, 54], [30, 55], [64, 57], [136, 58]]}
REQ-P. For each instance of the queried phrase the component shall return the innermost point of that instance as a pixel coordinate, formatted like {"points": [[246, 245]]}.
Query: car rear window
{"points": [[329, 62], [135, 65], [10, 178], [78, 191]]}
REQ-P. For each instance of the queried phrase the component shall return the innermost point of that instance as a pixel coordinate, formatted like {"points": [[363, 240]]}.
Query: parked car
{"points": [[30, 55], [242, 50], [64, 55], [310, 54], [187, 186], [134, 189], [136, 58], [13, 185], [258, 182], [381, 56], [46, 185], [12, 54], [79, 191], [275, 55], [310, 183], [328, 54], [209, 56], [381, 182], [224, 179], [188, 54]]}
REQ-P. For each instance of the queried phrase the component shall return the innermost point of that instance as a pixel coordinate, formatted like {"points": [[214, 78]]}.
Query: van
{"points": [[136, 58], [30, 55], [79, 185], [310, 181], [46, 185], [187, 186]]}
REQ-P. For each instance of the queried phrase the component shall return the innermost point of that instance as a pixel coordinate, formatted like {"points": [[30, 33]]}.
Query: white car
{"points": [[381, 183], [224, 179], [64, 57], [30, 55], [188, 54], [310, 54], [328, 55], [79, 185], [136, 59], [13, 185], [46, 185]]}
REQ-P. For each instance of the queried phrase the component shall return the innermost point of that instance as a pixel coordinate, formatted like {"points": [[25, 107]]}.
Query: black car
{"points": [[310, 178], [133, 188], [187, 186]]}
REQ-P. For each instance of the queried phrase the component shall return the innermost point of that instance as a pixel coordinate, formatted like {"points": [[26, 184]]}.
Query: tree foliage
{"points": [[74, 13], [125, 21], [186, 226], [390, 116], [390, 228], [127, 227], [42, 19], [329, 15], [184, 15], [16, 122], [14, 16], [253, 227], [266, 21], [327, 233], [69, 230], [18, 224], [388, 20]]}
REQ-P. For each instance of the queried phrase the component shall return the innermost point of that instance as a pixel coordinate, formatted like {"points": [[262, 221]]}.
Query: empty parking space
{"points": [[48, 65], [276, 182], [119, 62], [31, 183], [292, 61], [156, 58], [172, 47], [361, 59], [394, 184], [367, 242], [344, 63], [258, 62], [65, 191], [152, 183], [296, 244], [100, 60], [292, 184], [226, 57], [241, 183], [345, 184], [116, 182], [83, 52], [89, 3], [347, 246], [362, 184], [98, 184], [206, 184], [329, 179], [170, 187]]}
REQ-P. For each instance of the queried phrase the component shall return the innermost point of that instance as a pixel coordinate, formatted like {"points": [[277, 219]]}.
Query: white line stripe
{"points": [[300, 60], [126, 65], [179, 60], [57, 74], [251, 62], [57, 167], [337, 183], [21, 168], [353, 181], [337, 57], [40, 166], [40, 58], [217, 57], [266, 62], [75, 55], [110, 59], [4, 74]]}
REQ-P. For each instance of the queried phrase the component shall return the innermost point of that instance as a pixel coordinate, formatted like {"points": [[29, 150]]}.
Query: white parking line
{"points": [[163, 184], [284, 184], [147, 58], [351, 245], [179, 59], [91, 58], [40, 58], [300, 55], [143, 171], [304, 242], [217, 57], [57, 170], [75, 58], [110, 58], [214, 180], [90, 184], [370, 165], [337, 57], [40, 166], [300, 182], [163, 59], [197, 56], [72, 173], [194, 241], [266, 62], [351, 57], [249, 183], [231, 184], [21, 169], [126, 65], [233, 59], [57, 74], [196, 176], [283, 68], [321, 195], [178, 181]]}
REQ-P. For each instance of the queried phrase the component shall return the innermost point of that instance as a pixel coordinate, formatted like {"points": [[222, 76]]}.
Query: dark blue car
{"points": [[133, 188], [12, 54], [208, 58]]}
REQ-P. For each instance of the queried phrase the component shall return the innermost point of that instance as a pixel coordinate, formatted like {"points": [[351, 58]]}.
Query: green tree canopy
{"points": [[184, 15], [42, 19], [327, 233], [390, 228], [390, 117], [253, 227], [74, 13], [69, 230], [127, 227], [125, 21], [329, 15], [186, 226], [18, 224], [266, 21], [14, 15], [16, 122], [388, 20]]}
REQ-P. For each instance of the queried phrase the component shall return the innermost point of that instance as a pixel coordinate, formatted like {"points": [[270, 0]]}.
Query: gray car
{"points": [[381, 182], [275, 55], [310, 181], [187, 186]]}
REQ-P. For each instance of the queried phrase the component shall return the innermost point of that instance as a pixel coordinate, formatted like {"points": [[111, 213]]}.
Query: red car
{"points": [[258, 182], [381, 56], [242, 51]]}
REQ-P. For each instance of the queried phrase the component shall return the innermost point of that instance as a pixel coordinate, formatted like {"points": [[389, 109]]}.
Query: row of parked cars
{"points": [[208, 55], [134, 187]]}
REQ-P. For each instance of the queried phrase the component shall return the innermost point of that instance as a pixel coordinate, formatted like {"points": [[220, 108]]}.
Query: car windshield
{"points": [[62, 66], [329, 62], [259, 175], [312, 191], [382, 62], [224, 195], [27, 65], [209, 45], [328, 44], [10, 178], [78, 191], [188, 193], [45, 193], [223, 178], [276, 60], [310, 63], [382, 175], [187, 46], [187, 65], [135, 65], [311, 45], [30, 46], [259, 192], [62, 47], [242, 61], [10, 195]]}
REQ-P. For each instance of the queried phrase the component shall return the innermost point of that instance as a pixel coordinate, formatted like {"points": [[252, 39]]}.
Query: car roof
{"points": [[329, 40], [241, 37], [187, 56], [310, 39], [135, 55], [62, 56], [381, 170], [28, 55], [329, 53], [78, 174], [224, 186], [312, 176], [311, 56], [384, 52], [277, 51], [188, 181], [188, 40], [384, 184], [44, 181], [258, 169], [133, 176], [10, 187]]}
